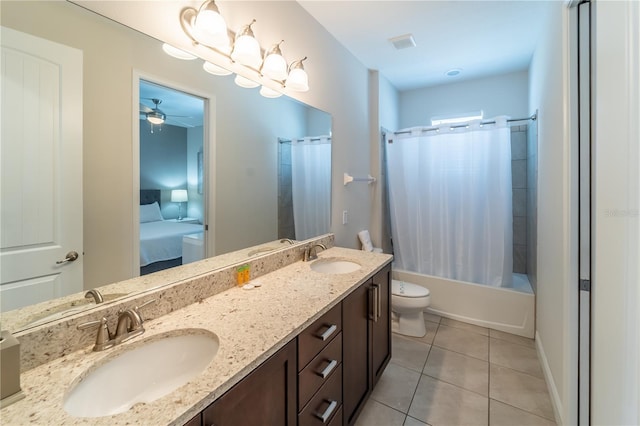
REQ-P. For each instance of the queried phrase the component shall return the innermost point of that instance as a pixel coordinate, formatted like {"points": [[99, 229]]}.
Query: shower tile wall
{"points": [[519, 185], [286, 227]]}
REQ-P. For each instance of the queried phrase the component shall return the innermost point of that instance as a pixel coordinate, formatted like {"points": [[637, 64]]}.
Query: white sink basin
{"points": [[154, 368], [334, 266]]}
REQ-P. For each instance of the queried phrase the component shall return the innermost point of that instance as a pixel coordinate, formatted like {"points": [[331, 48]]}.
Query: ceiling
{"points": [[181, 109], [480, 37]]}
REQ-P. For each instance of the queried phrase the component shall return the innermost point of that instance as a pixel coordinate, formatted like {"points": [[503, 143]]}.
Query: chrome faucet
{"points": [[97, 296], [312, 253], [286, 240], [129, 326]]}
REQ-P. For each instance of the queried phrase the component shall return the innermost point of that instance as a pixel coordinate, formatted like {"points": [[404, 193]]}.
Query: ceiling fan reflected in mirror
{"points": [[155, 116]]}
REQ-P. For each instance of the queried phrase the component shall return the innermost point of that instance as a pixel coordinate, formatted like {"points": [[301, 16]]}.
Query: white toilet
{"points": [[408, 301]]}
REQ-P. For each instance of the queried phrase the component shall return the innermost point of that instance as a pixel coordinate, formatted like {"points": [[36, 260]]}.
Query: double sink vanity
{"points": [[305, 345]]}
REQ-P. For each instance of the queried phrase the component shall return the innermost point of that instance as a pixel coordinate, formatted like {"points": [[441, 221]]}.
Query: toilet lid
{"points": [[401, 288]]}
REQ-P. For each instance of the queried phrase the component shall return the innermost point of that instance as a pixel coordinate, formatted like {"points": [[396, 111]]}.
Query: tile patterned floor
{"points": [[460, 374]]}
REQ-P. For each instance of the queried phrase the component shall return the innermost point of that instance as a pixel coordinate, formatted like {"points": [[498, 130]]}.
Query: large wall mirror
{"points": [[262, 156]]}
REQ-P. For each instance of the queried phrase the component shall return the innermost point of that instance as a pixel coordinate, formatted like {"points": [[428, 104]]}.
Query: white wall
{"points": [[615, 381], [195, 206], [505, 94], [556, 297]]}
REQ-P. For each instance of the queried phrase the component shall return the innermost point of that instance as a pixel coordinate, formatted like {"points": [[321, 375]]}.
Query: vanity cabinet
{"points": [[366, 341], [320, 370], [323, 376], [267, 396]]}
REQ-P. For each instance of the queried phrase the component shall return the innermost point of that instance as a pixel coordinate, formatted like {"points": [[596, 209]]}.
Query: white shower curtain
{"points": [[311, 186], [450, 202]]}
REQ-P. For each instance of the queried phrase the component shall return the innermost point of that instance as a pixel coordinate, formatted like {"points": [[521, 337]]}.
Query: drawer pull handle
{"points": [[324, 336], [328, 412], [328, 369]]}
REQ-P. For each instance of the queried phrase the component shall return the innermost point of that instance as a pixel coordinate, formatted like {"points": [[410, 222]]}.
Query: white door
{"points": [[41, 170]]}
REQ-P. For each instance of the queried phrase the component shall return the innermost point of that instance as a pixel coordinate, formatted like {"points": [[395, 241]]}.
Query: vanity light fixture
{"points": [[177, 53], [209, 26], [245, 82], [298, 79], [206, 28], [214, 69], [246, 49], [269, 93], [274, 65]]}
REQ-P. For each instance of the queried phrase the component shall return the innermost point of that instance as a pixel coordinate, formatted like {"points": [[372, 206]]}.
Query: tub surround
{"points": [[251, 325]]}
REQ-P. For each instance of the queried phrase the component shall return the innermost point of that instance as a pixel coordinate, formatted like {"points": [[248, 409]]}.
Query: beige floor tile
{"points": [[432, 317], [462, 341], [440, 403], [461, 370], [505, 415], [465, 326], [514, 356], [530, 343], [410, 421], [432, 328], [376, 414], [409, 353], [396, 387], [520, 390]]}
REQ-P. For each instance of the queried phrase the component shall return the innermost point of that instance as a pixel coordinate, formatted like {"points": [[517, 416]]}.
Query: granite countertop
{"points": [[251, 326]]}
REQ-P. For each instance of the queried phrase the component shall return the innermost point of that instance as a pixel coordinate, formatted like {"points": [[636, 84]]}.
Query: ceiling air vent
{"points": [[403, 41]]}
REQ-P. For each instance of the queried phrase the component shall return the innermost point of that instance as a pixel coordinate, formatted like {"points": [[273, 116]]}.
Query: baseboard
{"points": [[556, 402]]}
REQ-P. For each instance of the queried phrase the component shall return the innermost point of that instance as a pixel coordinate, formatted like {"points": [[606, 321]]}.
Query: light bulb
{"points": [[209, 26], [246, 49]]}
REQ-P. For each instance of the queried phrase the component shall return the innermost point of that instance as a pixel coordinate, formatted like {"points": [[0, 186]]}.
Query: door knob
{"points": [[71, 256]]}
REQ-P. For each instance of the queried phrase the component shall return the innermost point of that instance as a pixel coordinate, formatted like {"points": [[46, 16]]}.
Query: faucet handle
{"points": [[103, 338], [145, 304]]}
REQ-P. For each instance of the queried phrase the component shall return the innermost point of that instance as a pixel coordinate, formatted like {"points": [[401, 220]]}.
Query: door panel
{"points": [[41, 160]]}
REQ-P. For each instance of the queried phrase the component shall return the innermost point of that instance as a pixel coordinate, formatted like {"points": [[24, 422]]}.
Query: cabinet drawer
{"points": [[337, 419], [319, 370], [325, 403], [318, 335]]}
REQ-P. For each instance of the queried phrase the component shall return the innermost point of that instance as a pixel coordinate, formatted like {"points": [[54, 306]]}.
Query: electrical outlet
{"points": [[345, 217]]}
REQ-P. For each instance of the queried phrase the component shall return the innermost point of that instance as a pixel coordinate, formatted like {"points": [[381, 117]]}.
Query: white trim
{"points": [[556, 402], [208, 153]]}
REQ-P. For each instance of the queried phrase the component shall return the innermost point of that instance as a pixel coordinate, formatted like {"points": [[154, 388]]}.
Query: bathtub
{"points": [[509, 309]]}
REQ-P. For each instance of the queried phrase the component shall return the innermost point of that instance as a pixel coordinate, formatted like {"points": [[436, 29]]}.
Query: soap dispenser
{"points": [[10, 391]]}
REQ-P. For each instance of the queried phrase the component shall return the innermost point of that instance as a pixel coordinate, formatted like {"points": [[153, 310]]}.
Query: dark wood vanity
{"points": [[324, 375]]}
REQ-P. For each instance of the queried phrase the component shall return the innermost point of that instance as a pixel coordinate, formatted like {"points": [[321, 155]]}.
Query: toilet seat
{"points": [[409, 290]]}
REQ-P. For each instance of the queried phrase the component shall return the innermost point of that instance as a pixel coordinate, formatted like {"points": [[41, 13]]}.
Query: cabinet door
{"points": [[267, 396], [355, 352], [381, 323]]}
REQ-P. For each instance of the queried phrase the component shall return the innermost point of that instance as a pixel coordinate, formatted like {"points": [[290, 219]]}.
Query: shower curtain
{"points": [[450, 202], [311, 186]]}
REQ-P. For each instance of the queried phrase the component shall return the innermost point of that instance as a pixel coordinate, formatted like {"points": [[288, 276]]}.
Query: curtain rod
{"points": [[534, 117], [280, 140]]}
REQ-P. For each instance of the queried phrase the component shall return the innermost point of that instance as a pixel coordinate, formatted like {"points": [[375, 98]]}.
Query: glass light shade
{"points": [[156, 117], [274, 67], [177, 53], [269, 93], [246, 51], [209, 26], [298, 80], [214, 69], [245, 82], [179, 196]]}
